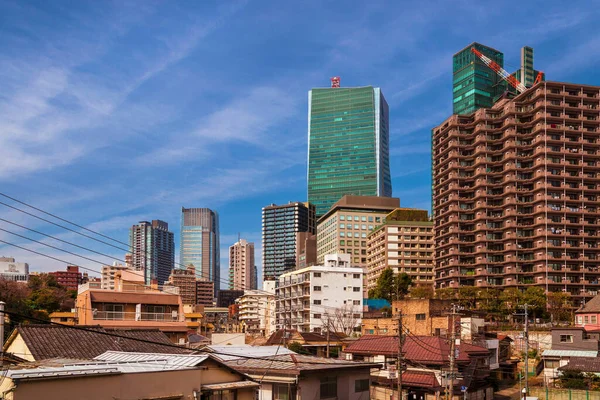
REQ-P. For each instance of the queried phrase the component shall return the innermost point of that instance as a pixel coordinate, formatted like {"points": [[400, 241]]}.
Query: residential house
{"points": [[132, 304], [588, 315], [567, 343], [122, 375], [63, 317], [37, 342], [311, 342], [425, 359], [586, 365], [286, 375]]}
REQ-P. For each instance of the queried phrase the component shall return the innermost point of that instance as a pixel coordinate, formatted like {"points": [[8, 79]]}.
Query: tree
{"points": [[297, 348], [489, 301], [559, 306], [421, 292], [535, 297], [572, 379], [391, 287], [343, 319], [511, 298]]}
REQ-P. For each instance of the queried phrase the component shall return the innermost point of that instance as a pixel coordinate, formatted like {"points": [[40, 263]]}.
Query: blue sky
{"points": [[116, 112]]}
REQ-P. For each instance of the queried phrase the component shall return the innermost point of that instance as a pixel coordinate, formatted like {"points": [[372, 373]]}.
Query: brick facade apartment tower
{"points": [[517, 193]]}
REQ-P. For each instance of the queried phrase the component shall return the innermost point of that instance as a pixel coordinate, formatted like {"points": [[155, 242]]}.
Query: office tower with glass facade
{"points": [[474, 84], [348, 145], [279, 227], [152, 250], [200, 243]]}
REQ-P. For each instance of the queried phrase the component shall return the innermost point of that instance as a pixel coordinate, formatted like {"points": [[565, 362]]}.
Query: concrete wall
{"points": [[129, 386]]}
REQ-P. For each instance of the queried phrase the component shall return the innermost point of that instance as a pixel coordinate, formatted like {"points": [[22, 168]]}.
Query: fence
{"points": [[563, 394]]}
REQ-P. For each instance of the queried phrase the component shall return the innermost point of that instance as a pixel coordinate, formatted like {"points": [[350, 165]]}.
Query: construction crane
{"points": [[514, 82]]}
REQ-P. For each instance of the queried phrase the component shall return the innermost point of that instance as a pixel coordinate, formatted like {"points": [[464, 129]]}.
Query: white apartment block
{"points": [[11, 270], [257, 310], [312, 298], [107, 279]]}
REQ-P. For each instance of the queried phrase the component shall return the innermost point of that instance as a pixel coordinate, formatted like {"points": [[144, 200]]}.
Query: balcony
{"points": [[135, 316]]}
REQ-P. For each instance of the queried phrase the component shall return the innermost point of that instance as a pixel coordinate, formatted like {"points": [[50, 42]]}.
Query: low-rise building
{"points": [[132, 305], [404, 242], [569, 343], [64, 317], [185, 280], [70, 279], [286, 375], [588, 315], [38, 342], [11, 270], [427, 360], [225, 298], [321, 297], [124, 375]]}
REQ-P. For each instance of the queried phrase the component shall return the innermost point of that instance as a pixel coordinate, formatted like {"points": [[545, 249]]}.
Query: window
{"points": [[328, 387], [420, 317], [361, 385], [355, 315], [551, 363], [317, 274], [566, 338], [356, 302], [370, 219], [585, 319], [356, 289], [342, 218], [317, 302], [317, 316], [356, 276], [594, 319], [356, 218], [317, 288], [283, 391], [363, 219]]}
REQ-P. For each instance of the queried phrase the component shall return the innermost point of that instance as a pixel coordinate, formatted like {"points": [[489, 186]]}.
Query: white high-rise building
{"points": [[321, 297]]}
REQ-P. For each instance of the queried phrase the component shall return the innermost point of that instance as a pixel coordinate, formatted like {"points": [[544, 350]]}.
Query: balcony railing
{"points": [[133, 316]]}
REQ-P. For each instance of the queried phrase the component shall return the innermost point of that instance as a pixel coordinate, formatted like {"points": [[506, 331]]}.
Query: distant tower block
{"points": [[335, 82]]}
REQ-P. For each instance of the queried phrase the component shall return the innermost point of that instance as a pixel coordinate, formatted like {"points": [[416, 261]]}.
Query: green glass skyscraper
{"points": [[348, 145], [474, 84]]}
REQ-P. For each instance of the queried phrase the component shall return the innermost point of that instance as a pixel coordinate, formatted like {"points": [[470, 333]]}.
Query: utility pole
{"points": [[400, 356], [328, 329], [526, 333], [2, 315], [450, 384]]}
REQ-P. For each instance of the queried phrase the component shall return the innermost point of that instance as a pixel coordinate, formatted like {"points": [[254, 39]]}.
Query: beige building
{"points": [[421, 317], [257, 310], [241, 265], [126, 375], [344, 228], [132, 305], [107, 279], [404, 243]]}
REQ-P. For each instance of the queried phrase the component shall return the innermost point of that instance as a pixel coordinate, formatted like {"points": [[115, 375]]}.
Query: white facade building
{"points": [[257, 310], [13, 271], [313, 298]]}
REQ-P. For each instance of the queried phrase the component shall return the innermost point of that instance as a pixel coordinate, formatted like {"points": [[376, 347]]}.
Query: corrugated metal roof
{"points": [[570, 353], [227, 353], [230, 385], [183, 360]]}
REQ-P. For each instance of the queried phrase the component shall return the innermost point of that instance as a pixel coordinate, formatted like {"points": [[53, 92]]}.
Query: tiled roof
{"points": [[227, 353], [420, 379], [582, 364], [307, 337], [53, 341], [592, 306], [294, 364], [423, 349]]}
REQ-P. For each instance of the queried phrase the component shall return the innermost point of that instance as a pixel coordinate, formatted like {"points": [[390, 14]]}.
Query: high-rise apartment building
{"points": [[279, 227], [153, 250], [205, 292], [344, 228], [475, 85], [200, 243], [404, 242], [348, 145], [241, 265], [516, 193]]}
